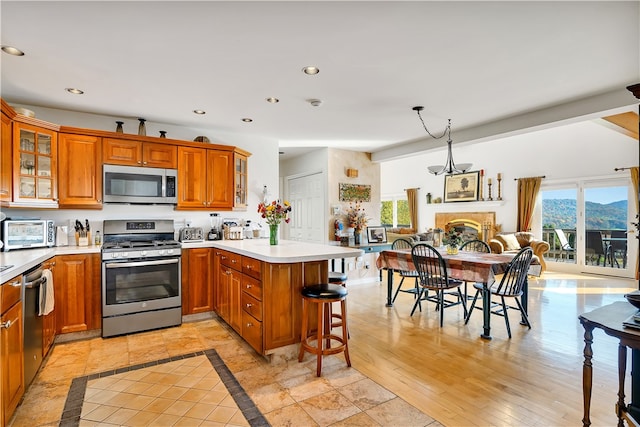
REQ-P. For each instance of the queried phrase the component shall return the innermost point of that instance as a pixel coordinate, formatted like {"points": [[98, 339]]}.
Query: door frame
{"points": [[325, 203]]}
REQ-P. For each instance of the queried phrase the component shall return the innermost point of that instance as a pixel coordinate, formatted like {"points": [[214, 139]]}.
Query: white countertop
{"points": [[285, 251], [23, 259]]}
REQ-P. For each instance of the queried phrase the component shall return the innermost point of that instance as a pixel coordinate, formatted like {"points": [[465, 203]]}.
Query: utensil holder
{"points": [[83, 239]]}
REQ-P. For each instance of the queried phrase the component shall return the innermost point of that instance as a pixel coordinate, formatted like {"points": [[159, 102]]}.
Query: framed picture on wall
{"points": [[462, 187], [377, 234]]}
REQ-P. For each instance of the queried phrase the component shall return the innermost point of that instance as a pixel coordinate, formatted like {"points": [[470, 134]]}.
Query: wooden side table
{"points": [[609, 318]]}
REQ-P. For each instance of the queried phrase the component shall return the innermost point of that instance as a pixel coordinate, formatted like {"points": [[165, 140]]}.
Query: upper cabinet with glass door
{"points": [[240, 179], [34, 166]]}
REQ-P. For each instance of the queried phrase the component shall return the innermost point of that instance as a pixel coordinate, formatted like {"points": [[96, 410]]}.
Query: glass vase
{"points": [[273, 234], [356, 237], [452, 249]]}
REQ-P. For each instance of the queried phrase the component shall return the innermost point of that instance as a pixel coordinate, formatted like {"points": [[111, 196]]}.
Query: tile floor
{"points": [[189, 392]]}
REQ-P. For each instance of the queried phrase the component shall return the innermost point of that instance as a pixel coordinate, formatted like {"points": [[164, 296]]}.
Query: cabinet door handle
{"points": [[8, 323], [234, 261], [248, 267], [249, 305], [248, 286], [16, 284], [144, 163], [249, 325], [139, 162]]}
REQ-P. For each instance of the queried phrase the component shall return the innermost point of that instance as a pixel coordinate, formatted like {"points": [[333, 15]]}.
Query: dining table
{"points": [[467, 266]]}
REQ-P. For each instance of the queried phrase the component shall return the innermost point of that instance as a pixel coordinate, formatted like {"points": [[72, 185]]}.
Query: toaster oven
{"points": [[27, 233]]}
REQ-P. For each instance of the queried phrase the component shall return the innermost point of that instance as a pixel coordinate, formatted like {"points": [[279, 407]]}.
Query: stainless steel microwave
{"points": [[134, 184], [27, 233]]}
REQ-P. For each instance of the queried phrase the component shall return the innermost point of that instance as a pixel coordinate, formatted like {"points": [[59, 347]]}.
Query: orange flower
{"points": [[275, 211]]}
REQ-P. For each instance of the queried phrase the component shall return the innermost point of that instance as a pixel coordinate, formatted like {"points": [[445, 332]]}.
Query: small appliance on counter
{"points": [[216, 227], [27, 234], [232, 229], [191, 234]]}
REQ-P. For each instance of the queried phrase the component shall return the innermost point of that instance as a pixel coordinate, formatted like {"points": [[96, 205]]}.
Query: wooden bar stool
{"points": [[337, 278], [324, 294]]}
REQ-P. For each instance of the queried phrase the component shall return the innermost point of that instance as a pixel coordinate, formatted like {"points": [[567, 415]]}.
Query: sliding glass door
{"points": [[586, 223]]}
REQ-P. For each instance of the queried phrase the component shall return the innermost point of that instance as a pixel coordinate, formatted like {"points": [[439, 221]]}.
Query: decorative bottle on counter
{"points": [[142, 130], [98, 239]]}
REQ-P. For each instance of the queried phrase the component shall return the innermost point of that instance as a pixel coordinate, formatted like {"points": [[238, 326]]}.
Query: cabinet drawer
{"points": [[252, 331], [252, 267], [10, 293], [252, 286], [231, 260], [251, 306]]}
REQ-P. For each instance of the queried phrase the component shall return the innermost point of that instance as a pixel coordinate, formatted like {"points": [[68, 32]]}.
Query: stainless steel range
{"points": [[141, 276]]}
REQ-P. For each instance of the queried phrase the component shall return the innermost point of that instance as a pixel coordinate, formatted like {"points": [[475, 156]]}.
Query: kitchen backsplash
{"points": [[181, 218]]}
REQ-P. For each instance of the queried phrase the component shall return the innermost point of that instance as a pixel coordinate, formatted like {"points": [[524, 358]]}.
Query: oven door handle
{"points": [[35, 283], [141, 263]]}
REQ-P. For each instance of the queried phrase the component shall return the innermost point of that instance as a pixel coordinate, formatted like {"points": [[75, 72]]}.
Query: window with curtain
{"points": [[394, 212]]}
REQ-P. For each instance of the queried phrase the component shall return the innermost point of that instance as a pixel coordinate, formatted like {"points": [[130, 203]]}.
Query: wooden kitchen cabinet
{"points": [[76, 280], [230, 279], [205, 178], [197, 280], [11, 348], [138, 153], [35, 168], [49, 320], [6, 167], [80, 171], [240, 180]]}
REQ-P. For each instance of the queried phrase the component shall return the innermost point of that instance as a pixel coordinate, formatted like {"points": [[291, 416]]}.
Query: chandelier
{"points": [[450, 166]]}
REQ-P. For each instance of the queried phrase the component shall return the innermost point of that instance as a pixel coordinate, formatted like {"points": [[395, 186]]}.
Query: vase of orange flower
{"points": [[356, 219], [274, 212]]}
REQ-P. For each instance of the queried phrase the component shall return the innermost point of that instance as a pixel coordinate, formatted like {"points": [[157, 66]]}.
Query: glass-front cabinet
{"points": [[240, 181], [34, 167]]}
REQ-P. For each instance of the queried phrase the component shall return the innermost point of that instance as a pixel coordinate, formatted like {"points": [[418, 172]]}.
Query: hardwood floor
{"points": [[454, 376]]}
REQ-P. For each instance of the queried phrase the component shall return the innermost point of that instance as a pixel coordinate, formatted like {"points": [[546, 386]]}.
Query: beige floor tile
{"points": [[238, 420], [207, 383], [193, 395], [214, 397], [305, 386], [188, 381], [137, 387], [222, 414], [290, 416], [398, 412], [169, 378], [159, 405], [329, 407], [120, 399], [88, 407], [121, 385], [271, 397], [120, 416], [101, 413], [228, 401], [155, 390], [174, 392], [101, 396], [366, 394], [179, 407], [165, 420], [187, 422], [138, 402], [200, 411], [142, 419], [361, 419]]}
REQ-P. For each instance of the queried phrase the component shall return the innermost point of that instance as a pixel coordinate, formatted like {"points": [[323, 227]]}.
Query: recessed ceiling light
{"points": [[12, 51], [74, 91], [247, 120], [201, 112], [273, 100], [311, 70]]}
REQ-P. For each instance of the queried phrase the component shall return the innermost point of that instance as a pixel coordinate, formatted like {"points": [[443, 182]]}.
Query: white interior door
{"points": [[306, 195]]}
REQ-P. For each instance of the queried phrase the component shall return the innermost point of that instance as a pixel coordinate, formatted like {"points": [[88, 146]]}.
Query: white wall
{"points": [[574, 151], [262, 169]]}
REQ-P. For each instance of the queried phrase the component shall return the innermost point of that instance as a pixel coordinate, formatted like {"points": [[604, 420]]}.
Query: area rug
{"points": [[72, 412]]}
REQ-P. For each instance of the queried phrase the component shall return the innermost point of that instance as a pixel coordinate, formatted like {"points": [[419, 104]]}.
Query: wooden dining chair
{"points": [[411, 274], [474, 245], [511, 286], [433, 276]]}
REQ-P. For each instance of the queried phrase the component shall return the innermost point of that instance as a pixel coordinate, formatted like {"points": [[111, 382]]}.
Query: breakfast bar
{"points": [[257, 286]]}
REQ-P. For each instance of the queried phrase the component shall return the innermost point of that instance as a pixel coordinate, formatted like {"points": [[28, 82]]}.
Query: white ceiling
{"points": [[477, 63]]}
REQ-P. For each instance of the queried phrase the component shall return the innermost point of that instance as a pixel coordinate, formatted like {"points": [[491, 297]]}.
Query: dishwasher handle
{"points": [[35, 283]]}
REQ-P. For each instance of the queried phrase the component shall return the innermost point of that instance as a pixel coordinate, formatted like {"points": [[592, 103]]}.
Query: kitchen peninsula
{"points": [[257, 286]]}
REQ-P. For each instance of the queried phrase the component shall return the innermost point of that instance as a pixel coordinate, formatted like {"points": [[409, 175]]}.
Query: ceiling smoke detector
{"points": [[315, 102]]}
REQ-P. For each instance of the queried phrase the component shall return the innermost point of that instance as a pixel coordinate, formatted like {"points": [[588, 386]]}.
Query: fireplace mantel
{"points": [[483, 222]]}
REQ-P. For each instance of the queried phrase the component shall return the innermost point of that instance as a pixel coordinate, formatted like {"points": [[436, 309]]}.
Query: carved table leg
{"points": [[622, 368], [587, 372]]}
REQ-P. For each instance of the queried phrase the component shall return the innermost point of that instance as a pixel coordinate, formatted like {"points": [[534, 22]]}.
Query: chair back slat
{"points": [[431, 268], [401, 244], [515, 276], [475, 246]]}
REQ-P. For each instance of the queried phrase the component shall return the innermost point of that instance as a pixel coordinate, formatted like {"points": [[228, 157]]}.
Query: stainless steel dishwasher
{"points": [[32, 280]]}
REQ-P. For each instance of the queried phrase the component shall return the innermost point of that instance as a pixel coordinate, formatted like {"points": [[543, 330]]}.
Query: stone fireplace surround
{"points": [[480, 224]]}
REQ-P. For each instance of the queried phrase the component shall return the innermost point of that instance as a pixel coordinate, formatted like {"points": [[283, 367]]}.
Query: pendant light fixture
{"points": [[450, 166]]}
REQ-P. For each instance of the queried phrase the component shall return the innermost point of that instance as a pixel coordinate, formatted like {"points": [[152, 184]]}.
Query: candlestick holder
{"points": [[499, 193], [489, 198]]}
